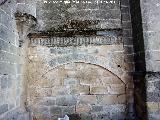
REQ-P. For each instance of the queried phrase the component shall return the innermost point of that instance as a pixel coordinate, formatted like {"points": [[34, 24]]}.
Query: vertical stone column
{"points": [[145, 22], [10, 64], [129, 55], [151, 33], [139, 58]]}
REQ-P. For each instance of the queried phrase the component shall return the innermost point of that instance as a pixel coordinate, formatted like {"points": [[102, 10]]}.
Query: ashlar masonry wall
{"points": [[86, 74], [11, 65]]}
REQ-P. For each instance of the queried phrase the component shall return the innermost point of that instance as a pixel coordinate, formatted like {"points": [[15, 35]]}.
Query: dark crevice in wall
{"points": [[139, 58], [2, 2]]}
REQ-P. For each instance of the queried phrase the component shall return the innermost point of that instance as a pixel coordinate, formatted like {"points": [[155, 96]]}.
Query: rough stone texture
{"points": [[87, 81], [104, 14], [9, 55], [145, 19], [150, 19], [11, 65], [74, 79], [81, 82]]}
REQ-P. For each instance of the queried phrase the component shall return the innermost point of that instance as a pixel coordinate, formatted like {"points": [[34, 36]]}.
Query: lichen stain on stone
{"points": [[80, 25]]}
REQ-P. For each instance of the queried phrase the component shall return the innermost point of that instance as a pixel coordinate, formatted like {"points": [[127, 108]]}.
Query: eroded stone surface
{"points": [[79, 14], [77, 78]]}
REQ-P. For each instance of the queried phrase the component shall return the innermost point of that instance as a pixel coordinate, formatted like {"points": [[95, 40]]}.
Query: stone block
{"points": [[107, 99], [87, 99], [4, 82], [152, 106], [103, 117], [7, 35], [41, 111], [47, 101], [83, 108], [3, 108], [67, 100], [13, 49], [111, 99], [116, 89], [68, 110], [6, 68], [116, 108], [80, 89], [60, 90], [96, 108], [70, 81], [4, 45], [7, 57], [126, 17], [55, 110], [99, 90], [5, 19], [111, 80], [153, 96], [119, 116], [153, 115], [86, 116], [46, 92]]}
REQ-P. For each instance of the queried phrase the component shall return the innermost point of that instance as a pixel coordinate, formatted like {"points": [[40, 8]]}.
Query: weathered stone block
{"points": [[86, 116], [116, 89], [83, 108], [116, 108], [60, 90], [3, 108], [96, 108], [103, 117], [7, 35], [153, 106], [70, 81], [4, 46], [67, 100], [68, 110], [153, 96], [110, 80], [111, 99], [80, 89], [6, 68], [54, 110], [4, 82], [99, 90], [47, 101], [46, 92], [5, 19], [41, 111], [87, 99]]}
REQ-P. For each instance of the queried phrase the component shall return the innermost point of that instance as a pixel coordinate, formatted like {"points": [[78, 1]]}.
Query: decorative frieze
{"points": [[74, 41]]}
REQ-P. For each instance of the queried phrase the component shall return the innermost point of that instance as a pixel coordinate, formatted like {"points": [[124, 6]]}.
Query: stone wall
{"points": [[150, 19], [93, 14], [80, 79], [145, 19], [91, 80], [139, 58], [77, 80], [11, 73]]}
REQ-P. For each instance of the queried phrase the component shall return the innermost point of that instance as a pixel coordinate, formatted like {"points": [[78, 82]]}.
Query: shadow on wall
{"points": [[140, 65], [2, 2]]}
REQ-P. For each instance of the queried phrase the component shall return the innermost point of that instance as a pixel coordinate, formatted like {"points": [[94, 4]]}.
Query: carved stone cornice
{"points": [[25, 24]]}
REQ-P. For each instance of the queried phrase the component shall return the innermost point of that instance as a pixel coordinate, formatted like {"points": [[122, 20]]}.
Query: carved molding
{"points": [[25, 24]]}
